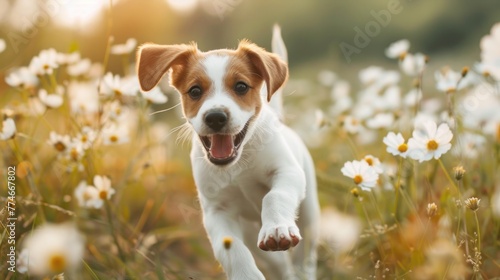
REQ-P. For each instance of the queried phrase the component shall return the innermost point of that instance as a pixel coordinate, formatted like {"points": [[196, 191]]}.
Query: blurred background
{"points": [[312, 30], [157, 209]]}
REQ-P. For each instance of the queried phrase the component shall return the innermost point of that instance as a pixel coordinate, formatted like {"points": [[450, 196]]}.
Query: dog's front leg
{"points": [[279, 210], [234, 257]]}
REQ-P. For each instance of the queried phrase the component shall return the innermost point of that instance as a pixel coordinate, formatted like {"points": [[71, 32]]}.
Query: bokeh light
{"points": [[183, 5], [78, 13]]}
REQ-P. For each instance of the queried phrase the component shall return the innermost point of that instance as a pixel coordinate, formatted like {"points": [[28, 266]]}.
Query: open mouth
{"points": [[223, 148]]}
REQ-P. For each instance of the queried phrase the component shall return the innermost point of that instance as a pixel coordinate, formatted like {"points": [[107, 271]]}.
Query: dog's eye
{"points": [[241, 88], [195, 92]]}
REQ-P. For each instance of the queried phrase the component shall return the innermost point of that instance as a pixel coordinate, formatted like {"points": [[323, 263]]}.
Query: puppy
{"points": [[255, 178]]}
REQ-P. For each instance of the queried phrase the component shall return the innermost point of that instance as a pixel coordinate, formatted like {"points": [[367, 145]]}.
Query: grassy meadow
{"points": [[96, 180]]}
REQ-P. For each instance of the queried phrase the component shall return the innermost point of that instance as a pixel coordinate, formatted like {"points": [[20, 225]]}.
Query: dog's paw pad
{"points": [[285, 243], [278, 238]]}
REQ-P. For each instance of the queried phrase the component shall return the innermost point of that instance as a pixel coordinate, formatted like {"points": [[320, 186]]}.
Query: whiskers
{"points": [[165, 110], [183, 133]]}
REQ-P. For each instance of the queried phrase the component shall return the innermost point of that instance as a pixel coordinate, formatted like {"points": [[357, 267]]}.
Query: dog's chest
{"points": [[238, 192]]}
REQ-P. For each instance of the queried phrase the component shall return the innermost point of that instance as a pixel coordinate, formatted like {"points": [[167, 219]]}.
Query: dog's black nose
{"points": [[216, 120]]}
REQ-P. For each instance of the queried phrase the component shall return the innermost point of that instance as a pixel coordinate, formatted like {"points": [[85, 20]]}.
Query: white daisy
{"points": [[103, 186], [8, 129], [60, 142], [113, 111], [430, 142], [22, 78], [79, 68], [155, 96], [370, 74], [374, 162], [377, 78], [413, 97], [490, 54], [469, 145], [362, 174], [74, 154], [51, 100], [413, 64], [68, 58], [352, 125], [86, 137], [54, 249], [44, 63], [380, 120], [83, 97], [398, 49], [382, 97], [448, 80], [396, 144], [115, 134], [116, 86], [22, 261], [88, 196], [126, 48], [341, 98]]}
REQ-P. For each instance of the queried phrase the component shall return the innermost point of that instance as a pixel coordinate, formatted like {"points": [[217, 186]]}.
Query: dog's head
{"points": [[220, 90]]}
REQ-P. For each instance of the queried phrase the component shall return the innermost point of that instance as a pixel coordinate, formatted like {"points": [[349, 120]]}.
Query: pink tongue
{"points": [[222, 146]]}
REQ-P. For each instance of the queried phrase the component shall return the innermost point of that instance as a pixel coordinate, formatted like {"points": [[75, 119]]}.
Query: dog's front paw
{"points": [[278, 237]]}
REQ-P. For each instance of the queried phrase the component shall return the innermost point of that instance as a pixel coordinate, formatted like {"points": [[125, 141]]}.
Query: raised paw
{"points": [[278, 238]]}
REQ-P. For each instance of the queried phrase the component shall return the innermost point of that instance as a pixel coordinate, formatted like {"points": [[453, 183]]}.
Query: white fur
{"points": [[268, 191], [215, 66]]}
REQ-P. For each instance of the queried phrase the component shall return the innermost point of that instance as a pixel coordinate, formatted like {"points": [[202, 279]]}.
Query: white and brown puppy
{"points": [[255, 177]]}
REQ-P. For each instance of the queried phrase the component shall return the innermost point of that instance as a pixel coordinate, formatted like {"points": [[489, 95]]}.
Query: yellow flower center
{"points": [[74, 154], [432, 145], [60, 146], [369, 161], [84, 138], [113, 138], [87, 196], [103, 195], [117, 92], [403, 148], [402, 56], [227, 241], [57, 263], [358, 179]]}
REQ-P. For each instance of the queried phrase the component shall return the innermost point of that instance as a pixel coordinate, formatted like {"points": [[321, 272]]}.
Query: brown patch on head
{"points": [[241, 69], [249, 64], [268, 66], [153, 61], [185, 77]]}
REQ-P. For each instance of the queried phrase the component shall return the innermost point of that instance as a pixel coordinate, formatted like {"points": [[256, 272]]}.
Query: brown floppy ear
{"points": [[272, 69], [153, 61]]}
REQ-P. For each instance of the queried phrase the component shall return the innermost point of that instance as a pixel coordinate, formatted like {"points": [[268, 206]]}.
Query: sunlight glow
{"points": [[183, 5], [76, 13]]}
